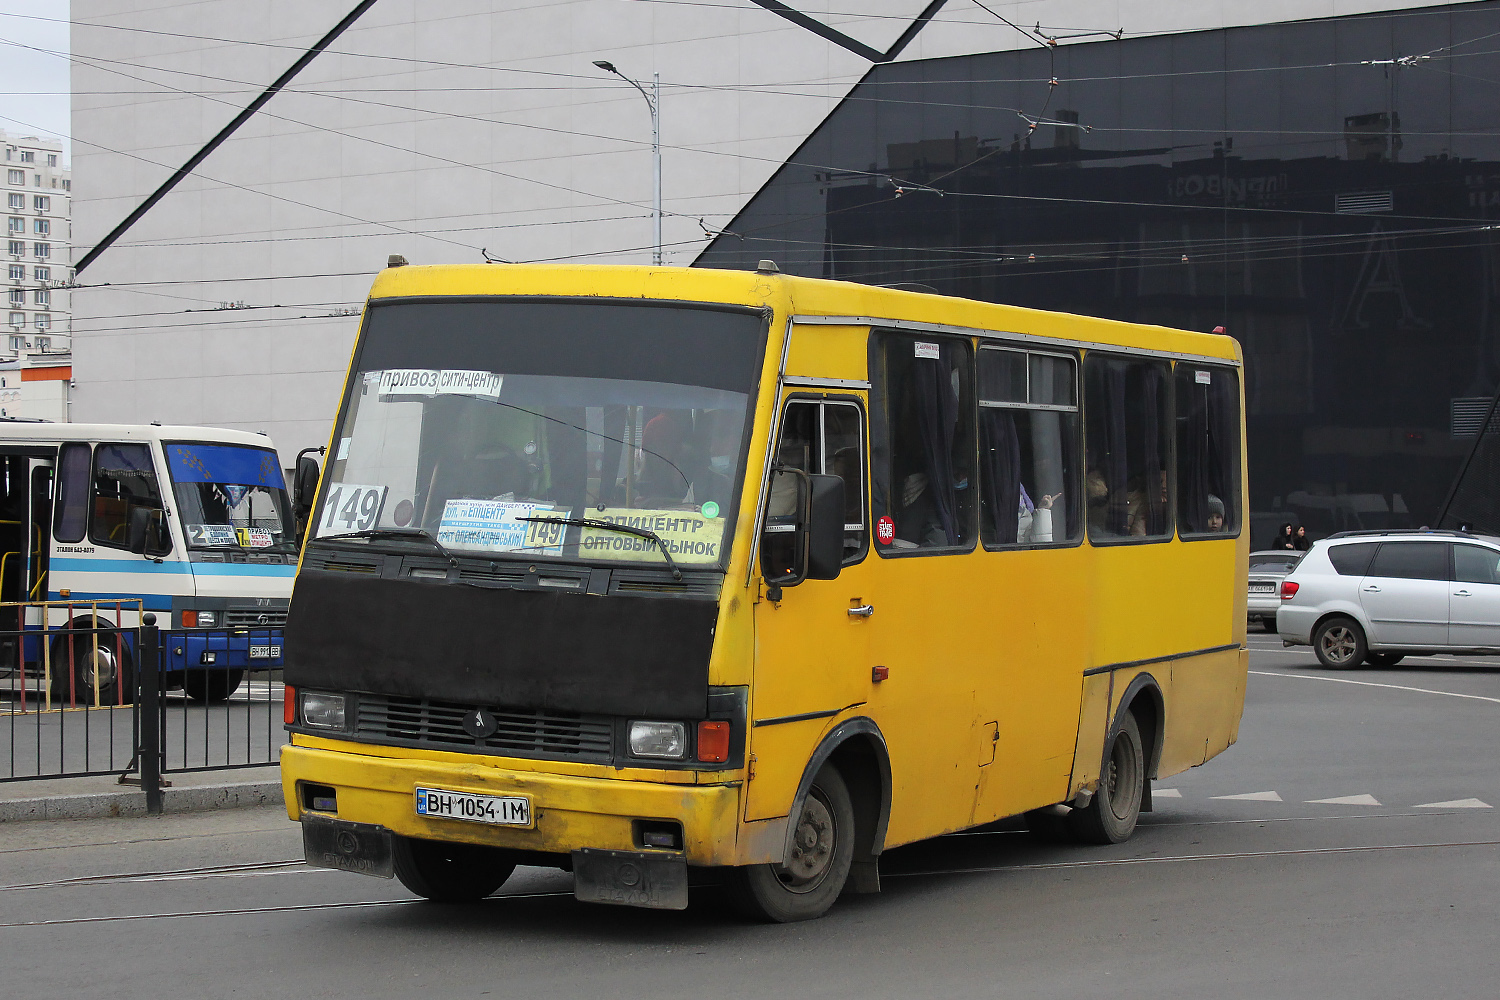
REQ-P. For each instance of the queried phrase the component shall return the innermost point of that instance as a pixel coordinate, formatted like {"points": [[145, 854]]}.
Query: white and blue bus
{"points": [[194, 523]]}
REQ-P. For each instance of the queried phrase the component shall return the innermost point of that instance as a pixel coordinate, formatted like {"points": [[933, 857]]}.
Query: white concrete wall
{"points": [[433, 135]]}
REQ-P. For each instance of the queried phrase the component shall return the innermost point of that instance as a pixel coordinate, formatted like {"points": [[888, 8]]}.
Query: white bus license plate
{"points": [[498, 810], [265, 652], [1263, 588]]}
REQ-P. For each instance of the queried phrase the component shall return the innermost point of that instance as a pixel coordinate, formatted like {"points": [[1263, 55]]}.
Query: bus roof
{"points": [[43, 432], [805, 298]]}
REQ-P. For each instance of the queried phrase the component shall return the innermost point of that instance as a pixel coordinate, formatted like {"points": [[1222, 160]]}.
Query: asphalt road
{"points": [[1255, 880]]}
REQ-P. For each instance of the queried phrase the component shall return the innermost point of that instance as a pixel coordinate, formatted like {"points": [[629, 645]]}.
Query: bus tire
{"points": [[450, 873], [211, 687], [814, 875], [1111, 815], [1339, 643], [116, 667]]}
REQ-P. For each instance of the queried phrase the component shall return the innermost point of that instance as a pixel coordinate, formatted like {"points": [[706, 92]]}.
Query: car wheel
{"points": [[1339, 643], [1112, 813], [210, 687], [1384, 659], [450, 873], [1269, 624], [806, 885], [75, 667]]}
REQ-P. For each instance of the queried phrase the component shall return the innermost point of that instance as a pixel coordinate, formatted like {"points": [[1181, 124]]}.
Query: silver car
{"points": [[1266, 572], [1376, 596]]}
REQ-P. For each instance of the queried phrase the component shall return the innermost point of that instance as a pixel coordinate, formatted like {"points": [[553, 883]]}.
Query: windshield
{"points": [[230, 497], [486, 423]]}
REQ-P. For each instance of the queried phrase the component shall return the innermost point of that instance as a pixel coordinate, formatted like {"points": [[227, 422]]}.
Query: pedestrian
{"points": [[1284, 537], [1300, 541]]}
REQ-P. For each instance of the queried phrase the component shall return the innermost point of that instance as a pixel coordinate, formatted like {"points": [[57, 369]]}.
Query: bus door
{"points": [[813, 647], [23, 551]]}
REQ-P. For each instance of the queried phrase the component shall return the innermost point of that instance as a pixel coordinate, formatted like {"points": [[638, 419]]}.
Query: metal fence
{"points": [[97, 688]]}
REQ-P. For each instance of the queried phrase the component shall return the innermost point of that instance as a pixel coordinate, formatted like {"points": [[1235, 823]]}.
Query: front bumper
{"points": [[569, 812]]}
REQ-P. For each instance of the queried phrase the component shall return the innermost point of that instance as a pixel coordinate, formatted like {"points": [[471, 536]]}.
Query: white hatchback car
{"points": [[1376, 596]]}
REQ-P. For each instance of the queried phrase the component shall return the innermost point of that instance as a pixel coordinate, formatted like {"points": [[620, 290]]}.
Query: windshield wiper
{"points": [[624, 529], [421, 533]]}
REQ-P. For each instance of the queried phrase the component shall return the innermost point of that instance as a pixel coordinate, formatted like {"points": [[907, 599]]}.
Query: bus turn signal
{"points": [[713, 742]]}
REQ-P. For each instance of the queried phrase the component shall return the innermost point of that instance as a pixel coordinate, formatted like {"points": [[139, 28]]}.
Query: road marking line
{"points": [[1172, 858], [1455, 804], [1372, 684], [1166, 793], [1251, 797], [251, 909], [1346, 800]]}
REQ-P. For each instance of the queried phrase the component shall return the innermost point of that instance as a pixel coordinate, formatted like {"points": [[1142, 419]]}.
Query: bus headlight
{"points": [[322, 711], [658, 739]]}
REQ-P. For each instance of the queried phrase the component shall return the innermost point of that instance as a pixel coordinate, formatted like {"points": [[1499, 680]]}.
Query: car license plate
{"points": [[265, 652], [1263, 588], [502, 810]]}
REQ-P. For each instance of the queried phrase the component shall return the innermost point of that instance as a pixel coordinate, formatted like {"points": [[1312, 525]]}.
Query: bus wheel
{"points": [[210, 687], [1339, 643], [110, 662], [815, 871], [450, 873], [1111, 815]]}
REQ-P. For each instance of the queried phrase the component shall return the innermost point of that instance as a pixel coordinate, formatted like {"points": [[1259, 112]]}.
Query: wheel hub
{"points": [[812, 847]]}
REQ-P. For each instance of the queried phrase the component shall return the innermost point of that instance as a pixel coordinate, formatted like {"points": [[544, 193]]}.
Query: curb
{"points": [[133, 803]]}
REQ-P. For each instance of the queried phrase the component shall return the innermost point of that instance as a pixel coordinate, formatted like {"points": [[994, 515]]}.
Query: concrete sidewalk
{"points": [[85, 798]]}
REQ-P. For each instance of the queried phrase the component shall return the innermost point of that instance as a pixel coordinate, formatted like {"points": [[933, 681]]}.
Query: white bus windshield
{"points": [[489, 434], [230, 497]]}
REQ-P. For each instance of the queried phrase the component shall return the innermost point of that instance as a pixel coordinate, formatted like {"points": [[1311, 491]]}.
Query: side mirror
{"points": [[139, 529], [803, 537], [825, 528], [305, 485]]}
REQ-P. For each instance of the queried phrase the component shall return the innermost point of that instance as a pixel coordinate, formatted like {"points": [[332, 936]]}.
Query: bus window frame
{"points": [[1075, 485], [162, 509], [835, 399], [1169, 457], [88, 492], [880, 437], [1237, 465]]}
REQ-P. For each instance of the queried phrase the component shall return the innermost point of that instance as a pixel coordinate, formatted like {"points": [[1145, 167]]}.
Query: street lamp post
{"points": [[653, 100]]}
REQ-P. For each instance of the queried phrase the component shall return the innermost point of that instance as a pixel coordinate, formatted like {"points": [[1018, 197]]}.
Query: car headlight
{"points": [[322, 711], [666, 740]]}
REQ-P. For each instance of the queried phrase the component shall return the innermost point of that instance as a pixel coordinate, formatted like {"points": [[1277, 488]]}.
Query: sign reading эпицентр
{"points": [[689, 535]]}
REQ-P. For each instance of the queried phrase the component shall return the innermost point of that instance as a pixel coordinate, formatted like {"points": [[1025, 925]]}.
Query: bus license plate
{"points": [[1263, 588], [265, 652], [509, 810]]}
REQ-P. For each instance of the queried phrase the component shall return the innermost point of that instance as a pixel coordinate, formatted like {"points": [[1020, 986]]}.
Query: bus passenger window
{"points": [[124, 478], [826, 438], [1125, 479], [1208, 458], [1028, 448], [924, 480], [71, 508]]}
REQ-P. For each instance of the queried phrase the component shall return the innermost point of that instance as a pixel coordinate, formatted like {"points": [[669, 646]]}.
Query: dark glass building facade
{"points": [[1324, 190]]}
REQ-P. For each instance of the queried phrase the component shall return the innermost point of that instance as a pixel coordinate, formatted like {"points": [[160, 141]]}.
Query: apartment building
{"points": [[38, 233]]}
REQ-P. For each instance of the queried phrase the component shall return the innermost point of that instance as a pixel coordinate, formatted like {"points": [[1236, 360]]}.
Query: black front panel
{"points": [[526, 650]]}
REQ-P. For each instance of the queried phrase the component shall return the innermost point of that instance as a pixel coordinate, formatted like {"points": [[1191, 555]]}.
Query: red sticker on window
{"points": [[885, 531]]}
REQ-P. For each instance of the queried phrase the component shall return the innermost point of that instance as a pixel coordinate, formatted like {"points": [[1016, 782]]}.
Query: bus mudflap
{"points": [[350, 847], [630, 878]]}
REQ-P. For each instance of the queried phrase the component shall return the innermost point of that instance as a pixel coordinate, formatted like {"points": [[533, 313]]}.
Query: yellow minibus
{"points": [[630, 571]]}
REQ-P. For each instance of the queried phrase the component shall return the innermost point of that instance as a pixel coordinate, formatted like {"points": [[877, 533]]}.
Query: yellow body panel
{"points": [[1005, 667]]}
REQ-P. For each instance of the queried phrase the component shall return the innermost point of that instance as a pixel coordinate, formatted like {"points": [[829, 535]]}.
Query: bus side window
{"points": [[1028, 448], [924, 464], [1208, 457], [70, 511], [1126, 484], [124, 477], [826, 438]]}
